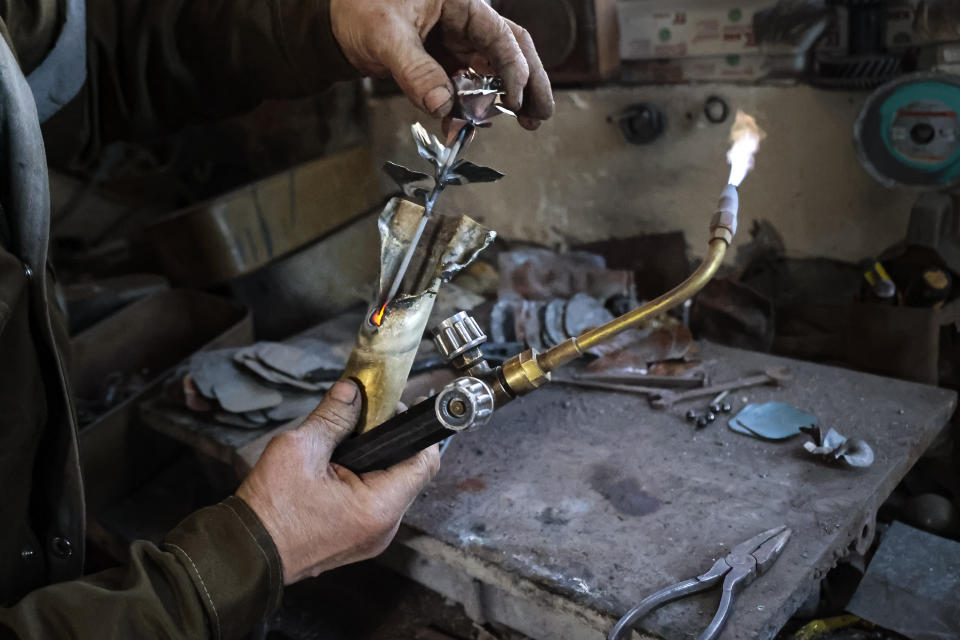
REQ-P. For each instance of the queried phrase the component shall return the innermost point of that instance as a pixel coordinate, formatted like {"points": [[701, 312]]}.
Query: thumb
{"points": [[420, 76], [335, 417]]}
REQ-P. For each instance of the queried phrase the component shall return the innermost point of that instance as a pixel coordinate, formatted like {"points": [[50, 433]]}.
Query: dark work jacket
{"points": [[153, 65]]}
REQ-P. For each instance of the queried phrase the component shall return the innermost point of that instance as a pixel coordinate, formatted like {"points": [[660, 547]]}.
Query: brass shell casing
{"points": [[382, 356]]}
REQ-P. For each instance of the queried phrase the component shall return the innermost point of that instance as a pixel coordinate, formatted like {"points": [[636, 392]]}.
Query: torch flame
{"points": [[377, 317], [745, 136]]}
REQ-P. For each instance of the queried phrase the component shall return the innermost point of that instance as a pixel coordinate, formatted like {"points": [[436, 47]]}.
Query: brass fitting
{"points": [[522, 373]]}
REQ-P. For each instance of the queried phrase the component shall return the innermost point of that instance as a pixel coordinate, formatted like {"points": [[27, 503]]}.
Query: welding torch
{"points": [[470, 400]]}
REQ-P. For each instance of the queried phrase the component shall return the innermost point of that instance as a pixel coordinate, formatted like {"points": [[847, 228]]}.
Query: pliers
{"points": [[745, 562]]}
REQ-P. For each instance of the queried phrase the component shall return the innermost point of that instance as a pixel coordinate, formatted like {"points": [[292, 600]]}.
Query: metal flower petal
{"points": [[477, 95]]}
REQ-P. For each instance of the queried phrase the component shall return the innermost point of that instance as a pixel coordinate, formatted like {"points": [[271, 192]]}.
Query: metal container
{"points": [[148, 338]]}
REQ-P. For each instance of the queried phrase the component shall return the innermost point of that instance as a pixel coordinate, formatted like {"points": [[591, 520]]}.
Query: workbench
{"points": [[572, 504]]}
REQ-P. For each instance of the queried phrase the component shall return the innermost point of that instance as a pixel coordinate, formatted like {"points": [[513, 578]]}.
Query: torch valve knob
{"points": [[464, 403], [457, 335]]}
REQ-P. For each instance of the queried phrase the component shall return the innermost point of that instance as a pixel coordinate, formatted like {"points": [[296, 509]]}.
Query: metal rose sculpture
{"points": [[477, 101]]}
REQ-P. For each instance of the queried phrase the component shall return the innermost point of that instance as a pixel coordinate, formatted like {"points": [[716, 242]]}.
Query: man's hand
{"points": [[387, 36], [319, 514]]}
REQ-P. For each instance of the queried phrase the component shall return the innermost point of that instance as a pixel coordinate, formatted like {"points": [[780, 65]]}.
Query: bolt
{"points": [[711, 417], [702, 422], [691, 415], [726, 408], [715, 408]]}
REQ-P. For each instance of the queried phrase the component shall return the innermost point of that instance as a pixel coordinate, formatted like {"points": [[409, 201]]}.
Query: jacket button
{"points": [[61, 547]]}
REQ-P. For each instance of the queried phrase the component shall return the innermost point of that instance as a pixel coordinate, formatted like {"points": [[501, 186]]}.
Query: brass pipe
{"points": [[574, 347], [530, 370]]}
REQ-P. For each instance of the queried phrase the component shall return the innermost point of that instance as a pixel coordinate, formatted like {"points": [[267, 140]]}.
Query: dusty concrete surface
{"points": [[594, 497], [576, 179]]}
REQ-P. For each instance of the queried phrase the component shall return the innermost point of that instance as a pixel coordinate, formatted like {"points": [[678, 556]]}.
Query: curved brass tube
{"points": [[574, 347]]}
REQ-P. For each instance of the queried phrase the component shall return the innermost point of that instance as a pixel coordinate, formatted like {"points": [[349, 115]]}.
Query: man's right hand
{"points": [[386, 36], [321, 515]]}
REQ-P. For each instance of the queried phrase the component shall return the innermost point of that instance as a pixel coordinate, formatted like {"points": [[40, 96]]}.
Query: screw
{"points": [[691, 415], [726, 408], [711, 417], [702, 422], [715, 407]]}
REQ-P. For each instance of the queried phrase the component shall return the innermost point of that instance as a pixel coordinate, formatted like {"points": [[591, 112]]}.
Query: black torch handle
{"points": [[393, 441]]}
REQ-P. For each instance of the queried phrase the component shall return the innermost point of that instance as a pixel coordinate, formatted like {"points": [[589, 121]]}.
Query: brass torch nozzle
{"points": [[529, 370]]}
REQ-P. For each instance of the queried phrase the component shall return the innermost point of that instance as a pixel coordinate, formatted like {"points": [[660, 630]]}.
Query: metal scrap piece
{"points": [[256, 417], [833, 446], [771, 421], [249, 361], [240, 394], [209, 367], [294, 360], [541, 274], [553, 322], [584, 312], [234, 420]]}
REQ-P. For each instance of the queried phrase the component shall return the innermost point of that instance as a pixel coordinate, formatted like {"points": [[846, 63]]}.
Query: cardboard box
{"points": [[656, 29], [733, 68]]}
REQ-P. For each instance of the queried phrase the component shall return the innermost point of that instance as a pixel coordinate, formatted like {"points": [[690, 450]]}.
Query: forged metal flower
{"points": [[477, 98]]}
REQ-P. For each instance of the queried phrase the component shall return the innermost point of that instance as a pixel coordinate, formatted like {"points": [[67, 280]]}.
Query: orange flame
{"points": [[377, 317]]}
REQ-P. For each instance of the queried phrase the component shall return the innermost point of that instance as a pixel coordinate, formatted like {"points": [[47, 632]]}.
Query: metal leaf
{"points": [[425, 146], [401, 175], [465, 172], [413, 183]]}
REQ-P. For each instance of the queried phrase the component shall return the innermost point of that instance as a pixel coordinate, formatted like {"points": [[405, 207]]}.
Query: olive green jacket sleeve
{"points": [[216, 575], [157, 65]]}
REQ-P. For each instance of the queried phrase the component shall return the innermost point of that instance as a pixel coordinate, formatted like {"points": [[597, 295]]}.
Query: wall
{"points": [[577, 179]]}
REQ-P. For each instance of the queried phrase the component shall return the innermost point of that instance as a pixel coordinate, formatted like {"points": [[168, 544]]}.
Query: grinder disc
{"points": [[908, 132]]}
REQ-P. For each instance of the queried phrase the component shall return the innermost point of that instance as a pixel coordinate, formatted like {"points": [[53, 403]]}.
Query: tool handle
{"points": [[395, 440], [621, 630]]}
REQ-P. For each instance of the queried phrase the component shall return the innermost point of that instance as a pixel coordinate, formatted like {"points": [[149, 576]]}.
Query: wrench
{"points": [[664, 398]]}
